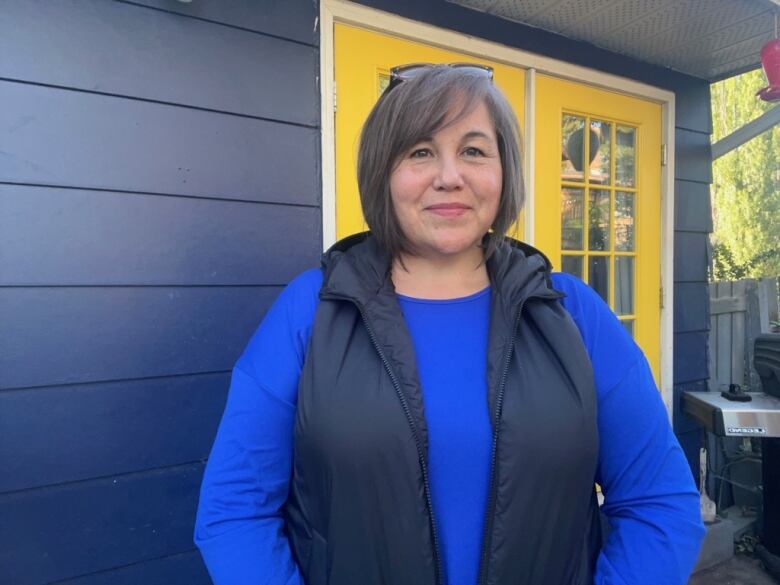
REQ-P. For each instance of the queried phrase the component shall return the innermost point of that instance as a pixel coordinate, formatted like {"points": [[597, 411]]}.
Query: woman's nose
{"points": [[448, 176]]}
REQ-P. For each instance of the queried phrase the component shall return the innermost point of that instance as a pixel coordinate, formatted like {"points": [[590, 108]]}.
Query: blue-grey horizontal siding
{"points": [[691, 307], [159, 183], [107, 142], [160, 56], [80, 528], [72, 335], [112, 427], [110, 238], [692, 211], [295, 20], [182, 568]]}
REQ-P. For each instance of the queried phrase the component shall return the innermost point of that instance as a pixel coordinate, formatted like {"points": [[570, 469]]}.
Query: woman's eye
{"points": [[472, 151], [420, 153]]}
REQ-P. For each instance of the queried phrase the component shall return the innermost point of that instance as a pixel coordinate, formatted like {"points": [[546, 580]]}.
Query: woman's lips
{"points": [[448, 209]]}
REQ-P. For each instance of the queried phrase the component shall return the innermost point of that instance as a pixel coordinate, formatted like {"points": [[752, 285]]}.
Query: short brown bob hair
{"points": [[418, 108]]}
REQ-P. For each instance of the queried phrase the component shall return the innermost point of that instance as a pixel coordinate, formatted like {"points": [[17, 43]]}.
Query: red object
{"points": [[770, 59]]}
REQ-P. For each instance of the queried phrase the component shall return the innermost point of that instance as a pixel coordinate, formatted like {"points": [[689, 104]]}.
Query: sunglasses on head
{"points": [[406, 72]]}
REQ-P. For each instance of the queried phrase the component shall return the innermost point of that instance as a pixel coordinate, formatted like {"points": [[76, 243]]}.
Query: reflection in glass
{"points": [[625, 151], [629, 325], [598, 220], [572, 265], [600, 167], [624, 222], [571, 219], [624, 285], [598, 275], [572, 148]]}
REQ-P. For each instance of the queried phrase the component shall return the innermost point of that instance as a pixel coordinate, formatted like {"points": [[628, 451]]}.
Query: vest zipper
{"points": [[488, 530], [420, 453]]}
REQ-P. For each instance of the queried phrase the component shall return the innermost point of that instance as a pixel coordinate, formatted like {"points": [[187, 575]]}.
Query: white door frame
{"points": [[342, 11]]}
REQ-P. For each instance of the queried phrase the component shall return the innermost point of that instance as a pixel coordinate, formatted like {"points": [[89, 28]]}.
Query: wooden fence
{"points": [[739, 311]]}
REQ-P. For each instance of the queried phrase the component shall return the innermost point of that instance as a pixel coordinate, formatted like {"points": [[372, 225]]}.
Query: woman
{"points": [[433, 405]]}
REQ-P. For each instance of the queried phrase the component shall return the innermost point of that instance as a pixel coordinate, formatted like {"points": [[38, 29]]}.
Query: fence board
{"points": [[739, 311], [724, 336], [739, 290], [727, 305]]}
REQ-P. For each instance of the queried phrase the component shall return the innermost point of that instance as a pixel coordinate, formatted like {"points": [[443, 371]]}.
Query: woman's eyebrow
{"points": [[476, 134]]}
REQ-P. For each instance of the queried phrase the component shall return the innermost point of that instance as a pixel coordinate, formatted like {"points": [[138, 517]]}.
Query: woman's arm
{"points": [[239, 527], [650, 498]]}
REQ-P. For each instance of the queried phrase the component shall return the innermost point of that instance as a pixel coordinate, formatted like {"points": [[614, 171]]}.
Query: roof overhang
{"points": [[708, 39]]}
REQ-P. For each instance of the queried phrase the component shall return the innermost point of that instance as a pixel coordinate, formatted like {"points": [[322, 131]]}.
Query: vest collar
{"points": [[357, 269]]}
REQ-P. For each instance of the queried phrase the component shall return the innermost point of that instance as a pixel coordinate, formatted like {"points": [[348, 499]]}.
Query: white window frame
{"points": [[342, 11]]}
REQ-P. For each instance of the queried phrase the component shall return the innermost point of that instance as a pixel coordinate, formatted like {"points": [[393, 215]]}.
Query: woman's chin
{"points": [[454, 247]]}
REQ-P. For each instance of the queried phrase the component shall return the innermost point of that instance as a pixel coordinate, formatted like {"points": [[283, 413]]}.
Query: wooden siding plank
{"points": [[74, 139], [158, 56], [692, 156], [182, 569], [691, 257], [75, 529], [692, 211], [292, 19], [690, 357], [691, 300], [115, 428], [692, 109], [85, 334], [68, 236]]}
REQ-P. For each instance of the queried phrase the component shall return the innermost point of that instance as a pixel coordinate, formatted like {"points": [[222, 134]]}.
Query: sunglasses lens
{"points": [[405, 72]]}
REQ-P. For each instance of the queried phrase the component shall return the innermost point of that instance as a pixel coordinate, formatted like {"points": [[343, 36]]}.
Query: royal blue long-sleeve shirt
{"points": [[650, 498]]}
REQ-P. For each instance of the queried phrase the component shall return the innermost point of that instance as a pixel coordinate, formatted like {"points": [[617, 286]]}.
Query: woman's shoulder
{"points": [[286, 326], [303, 289]]}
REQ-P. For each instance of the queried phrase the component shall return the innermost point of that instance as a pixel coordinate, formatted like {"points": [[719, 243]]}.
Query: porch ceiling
{"points": [[709, 39]]}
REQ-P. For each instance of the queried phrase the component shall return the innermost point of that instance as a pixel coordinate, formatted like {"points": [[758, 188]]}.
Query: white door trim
{"points": [[346, 12]]}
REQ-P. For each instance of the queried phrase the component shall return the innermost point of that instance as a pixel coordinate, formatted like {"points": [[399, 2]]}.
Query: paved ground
{"points": [[739, 570]]}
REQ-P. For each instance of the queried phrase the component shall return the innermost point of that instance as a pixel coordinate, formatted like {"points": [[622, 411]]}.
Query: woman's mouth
{"points": [[448, 209]]}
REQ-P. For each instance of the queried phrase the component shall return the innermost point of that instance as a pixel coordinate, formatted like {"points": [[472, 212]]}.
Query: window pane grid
{"points": [[593, 181]]}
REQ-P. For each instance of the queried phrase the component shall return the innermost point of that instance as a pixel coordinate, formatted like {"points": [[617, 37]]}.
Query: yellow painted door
{"points": [[363, 60], [598, 198]]}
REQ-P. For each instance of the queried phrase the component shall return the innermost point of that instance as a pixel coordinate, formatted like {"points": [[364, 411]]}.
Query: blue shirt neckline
{"points": [[472, 297]]}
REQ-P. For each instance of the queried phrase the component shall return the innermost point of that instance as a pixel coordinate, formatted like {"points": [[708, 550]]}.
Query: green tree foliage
{"points": [[746, 185]]}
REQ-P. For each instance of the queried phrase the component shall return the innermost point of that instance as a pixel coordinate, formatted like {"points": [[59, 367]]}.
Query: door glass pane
{"points": [[573, 148], [624, 222], [383, 82], [572, 265], [629, 325], [625, 164], [571, 219], [598, 220], [598, 275], [600, 167], [624, 285]]}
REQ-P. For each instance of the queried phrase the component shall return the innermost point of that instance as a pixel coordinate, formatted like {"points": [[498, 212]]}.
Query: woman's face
{"points": [[446, 188]]}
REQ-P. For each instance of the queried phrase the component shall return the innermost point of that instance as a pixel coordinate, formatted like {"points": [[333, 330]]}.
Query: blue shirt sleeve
{"points": [[650, 498], [239, 527]]}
